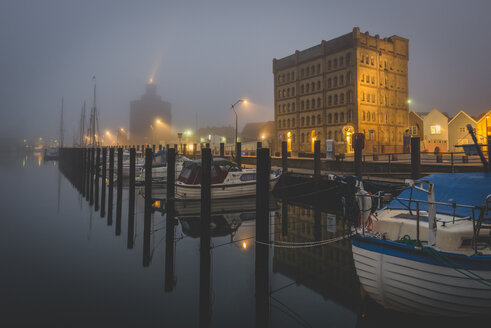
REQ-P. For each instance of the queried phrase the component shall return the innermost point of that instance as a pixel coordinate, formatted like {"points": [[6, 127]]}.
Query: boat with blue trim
{"points": [[429, 250]]}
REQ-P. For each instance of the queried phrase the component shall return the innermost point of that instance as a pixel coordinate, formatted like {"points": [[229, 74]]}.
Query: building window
{"points": [[318, 102], [279, 124], [313, 86], [413, 130], [341, 98], [307, 87], [335, 81], [329, 84], [293, 76], [371, 61], [308, 121], [341, 117], [349, 116], [435, 129], [336, 135], [363, 78], [302, 72], [341, 80], [349, 95], [293, 91], [313, 119], [302, 89], [373, 98], [293, 107], [368, 116], [461, 129], [288, 77], [367, 60], [373, 117], [335, 99], [335, 62], [368, 97], [349, 77], [293, 137], [335, 117], [362, 58], [303, 121], [319, 119], [318, 85], [329, 135], [318, 68], [302, 105], [363, 96], [313, 69], [329, 100], [303, 138], [307, 104], [329, 65], [288, 123], [329, 118], [288, 92], [341, 61], [307, 71], [363, 116], [288, 108], [293, 122], [348, 59]]}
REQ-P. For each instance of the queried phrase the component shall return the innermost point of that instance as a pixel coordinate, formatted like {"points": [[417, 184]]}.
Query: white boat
{"points": [[429, 256], [50, 153], [159, 168], [228, 180]]}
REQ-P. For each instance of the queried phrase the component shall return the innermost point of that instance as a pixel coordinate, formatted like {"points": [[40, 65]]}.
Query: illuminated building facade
{"points": [[353, 83], [150, 118]]}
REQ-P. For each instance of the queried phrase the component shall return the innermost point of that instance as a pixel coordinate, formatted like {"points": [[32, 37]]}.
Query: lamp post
{"points": [[237, 116]]}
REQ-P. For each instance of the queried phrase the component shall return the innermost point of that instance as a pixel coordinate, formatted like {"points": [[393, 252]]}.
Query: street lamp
{"points": [[236, 116]]}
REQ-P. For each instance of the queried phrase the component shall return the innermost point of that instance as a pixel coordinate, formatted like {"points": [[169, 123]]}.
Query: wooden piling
{"points": [[119, 192], [169, 279], [238, 153], [97, 177], [222, 149], [415, 158], [358, 148], [148, 207], [110, 187], [317, 159], [131, 200], [171, 174], [84, 170], [103, 182], [92, 166], [284, 156], [204, 286]]}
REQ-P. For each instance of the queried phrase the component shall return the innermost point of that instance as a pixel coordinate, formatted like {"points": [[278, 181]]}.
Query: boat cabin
{"points": [[191, 172]]}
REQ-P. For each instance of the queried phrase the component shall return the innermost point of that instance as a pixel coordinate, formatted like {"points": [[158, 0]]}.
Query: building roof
{"points": [[461, 112], [482, 115], [253, 130]]}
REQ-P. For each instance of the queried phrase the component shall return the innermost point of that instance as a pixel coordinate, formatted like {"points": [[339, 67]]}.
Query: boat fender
{"points": [[364, 201]]}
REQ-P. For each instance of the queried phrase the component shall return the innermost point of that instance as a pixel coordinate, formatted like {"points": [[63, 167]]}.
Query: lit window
{"points": [[435, 129]]}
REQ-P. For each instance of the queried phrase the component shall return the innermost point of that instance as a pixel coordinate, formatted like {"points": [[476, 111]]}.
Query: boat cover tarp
{"points": [[461, 188]]}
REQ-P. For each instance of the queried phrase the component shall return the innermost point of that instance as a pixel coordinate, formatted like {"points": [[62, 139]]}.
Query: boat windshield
{"points": [[191, 171]]}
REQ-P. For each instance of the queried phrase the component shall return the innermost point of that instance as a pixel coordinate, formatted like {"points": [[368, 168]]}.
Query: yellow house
{"points": [[458, 133], [483, 129], [435, 131]]}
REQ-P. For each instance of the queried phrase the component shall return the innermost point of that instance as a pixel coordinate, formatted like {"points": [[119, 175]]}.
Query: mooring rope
{"points": [[280, 244]]}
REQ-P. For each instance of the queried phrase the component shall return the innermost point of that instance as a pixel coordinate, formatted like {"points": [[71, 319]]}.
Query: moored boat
{"points": [[228, 180], [429, 250]]}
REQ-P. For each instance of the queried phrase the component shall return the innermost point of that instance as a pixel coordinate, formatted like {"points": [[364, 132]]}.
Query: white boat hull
{"points": [[423, 288], [220, 191]]}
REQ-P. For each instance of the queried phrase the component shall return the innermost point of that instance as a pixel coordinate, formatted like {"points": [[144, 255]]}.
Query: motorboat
{"points": [[159, 168], [429, 250], [228, 180], [51, 154]]}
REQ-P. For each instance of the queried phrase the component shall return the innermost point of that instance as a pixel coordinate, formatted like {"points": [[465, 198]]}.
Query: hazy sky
{"points": [[204, 55]]}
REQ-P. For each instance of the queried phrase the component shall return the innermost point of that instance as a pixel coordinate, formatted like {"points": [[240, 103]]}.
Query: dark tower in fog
{"points": [[150, 117]]}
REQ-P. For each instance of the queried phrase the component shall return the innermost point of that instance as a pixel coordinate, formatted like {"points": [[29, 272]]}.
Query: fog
{"points": [[204, 55]]}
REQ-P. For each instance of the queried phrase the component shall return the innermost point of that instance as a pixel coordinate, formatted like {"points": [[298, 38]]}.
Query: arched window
{"points": [[335, 99], [336, 135], [307, 104], [348, 59], [302, 105], [284, 123], [341, 80], [303, 121], [341, 117], [293, 107], [308, 120], [363, 116], [308, 71], [313, 86], [363, 78], [335, 117], [349, 76], [329, 134], [349, 116], [313, 69], [329, 83], [288, 77], [293, 92], [329, 100], [373, 117], [318, 102], [288, 123], [313, 119], [341, 98], [318, 85], [319, 119], [341, 61], [335, 81], [279, 124], [368, 116], [288, 108], [307, 87], [288, 92], [302, 88], [329, 118], [329, 65], [284, 108], [293, 122], [349, 96], [303, 137]]}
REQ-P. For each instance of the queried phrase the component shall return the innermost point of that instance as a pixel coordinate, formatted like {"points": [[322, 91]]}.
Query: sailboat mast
{"points": [[61, 125]]}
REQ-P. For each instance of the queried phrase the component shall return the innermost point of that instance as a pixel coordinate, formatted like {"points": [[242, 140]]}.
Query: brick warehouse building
{"points": [[353, 83]]}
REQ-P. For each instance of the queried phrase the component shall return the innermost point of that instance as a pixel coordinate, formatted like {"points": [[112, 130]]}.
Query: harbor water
{"points": [[66, 265]]}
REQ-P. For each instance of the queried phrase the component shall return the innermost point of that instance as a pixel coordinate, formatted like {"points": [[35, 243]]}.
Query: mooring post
{"points": [[284, 156], [153, 148], [110, 187], [167, 147], [92, 166], [160, 147], [195, 149], [204, 285], [184, 146], [262, 238], [119, 194], [259, 145], [222, 149], [358, 148], [415, 158], [137, 147], [103, 182], [97, 176], [317, 159], [171, 174], [148, 207], [131, 200], [84, 170], [87, 171], [238, 153]]}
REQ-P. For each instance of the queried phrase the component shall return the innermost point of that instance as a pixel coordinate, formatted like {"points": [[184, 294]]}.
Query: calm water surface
{"points": [[63, 265]]}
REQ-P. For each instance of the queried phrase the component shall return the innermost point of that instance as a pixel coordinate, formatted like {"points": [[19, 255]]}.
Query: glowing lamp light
{"points": [[262, 137], [108, 133], [150, 80], [244, 245], [190, 147], [156, 204], [158, 121]]}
